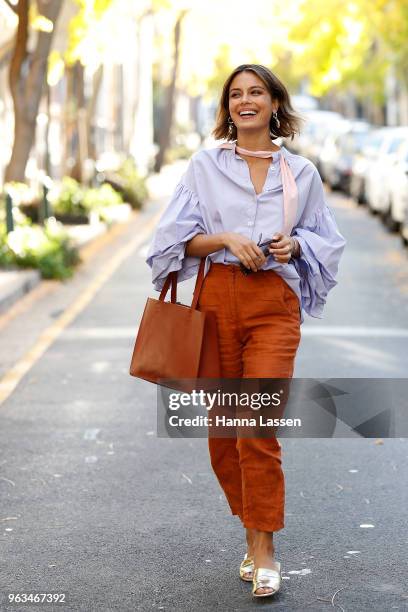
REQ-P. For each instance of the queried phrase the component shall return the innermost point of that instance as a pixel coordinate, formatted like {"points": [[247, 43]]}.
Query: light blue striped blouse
{"points": [[216, 194]]}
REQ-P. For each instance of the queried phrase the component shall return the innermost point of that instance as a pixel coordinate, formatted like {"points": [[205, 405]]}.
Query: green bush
{"points": [[67, 198], [70, 199], [47, 248], [25, 200], [21, 193], [128, 182], [100, 197]]}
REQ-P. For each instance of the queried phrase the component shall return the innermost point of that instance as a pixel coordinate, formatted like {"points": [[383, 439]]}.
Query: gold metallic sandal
{"points": [[267, 578], [246, 567]]}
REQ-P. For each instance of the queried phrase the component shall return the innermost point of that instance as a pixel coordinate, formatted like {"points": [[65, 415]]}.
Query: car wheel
{"points": [[390, 223], [385, 214], [361, 199]]}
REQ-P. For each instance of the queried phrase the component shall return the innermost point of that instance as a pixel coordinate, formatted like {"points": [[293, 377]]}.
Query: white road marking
{"points": [[355, 331], [104, 333], [90, 434], [99, 333]]}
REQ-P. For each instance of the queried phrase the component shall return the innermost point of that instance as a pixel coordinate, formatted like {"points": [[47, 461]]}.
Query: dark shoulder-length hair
{"points": [[290, 121]]}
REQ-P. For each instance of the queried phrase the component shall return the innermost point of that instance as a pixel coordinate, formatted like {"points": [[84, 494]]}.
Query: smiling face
{"points": [[248, 92]]}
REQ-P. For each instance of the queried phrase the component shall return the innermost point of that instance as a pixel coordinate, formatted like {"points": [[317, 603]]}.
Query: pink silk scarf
{"points": [[290, 191]]}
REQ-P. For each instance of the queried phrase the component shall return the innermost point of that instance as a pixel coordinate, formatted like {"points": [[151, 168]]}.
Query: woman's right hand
{"points": [[247, 251]]}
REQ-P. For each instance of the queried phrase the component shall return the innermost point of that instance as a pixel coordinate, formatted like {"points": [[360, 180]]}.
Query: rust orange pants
{"points": [[258, 322]]}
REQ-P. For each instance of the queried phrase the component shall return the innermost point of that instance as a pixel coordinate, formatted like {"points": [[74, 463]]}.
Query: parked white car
{"points": [[404, 228], [364, 157], [335, 157], [397, 189], [327, 147], [313, 133], [376, 182]]}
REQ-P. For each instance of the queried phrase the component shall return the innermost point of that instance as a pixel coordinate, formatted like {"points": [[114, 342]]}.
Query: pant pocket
{"points": [[290, 299]]}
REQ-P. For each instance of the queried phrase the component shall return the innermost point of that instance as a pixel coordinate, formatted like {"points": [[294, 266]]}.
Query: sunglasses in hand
{"points": [[264, 246]]}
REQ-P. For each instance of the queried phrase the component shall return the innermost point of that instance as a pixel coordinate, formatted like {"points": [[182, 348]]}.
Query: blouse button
{"points": [[250, 223]]}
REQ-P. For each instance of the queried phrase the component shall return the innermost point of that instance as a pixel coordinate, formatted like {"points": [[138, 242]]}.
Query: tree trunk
{"points": [[91, 112], [47, 160], [79, 149], [27, 77], [167, 118], [69, 117]]}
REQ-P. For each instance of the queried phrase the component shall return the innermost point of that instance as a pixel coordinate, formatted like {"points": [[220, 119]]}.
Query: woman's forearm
{"points": [[204, 244]]}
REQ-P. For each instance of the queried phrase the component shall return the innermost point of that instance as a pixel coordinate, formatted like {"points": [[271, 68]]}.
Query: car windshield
{"points": [[372, 146], [395, 144]]}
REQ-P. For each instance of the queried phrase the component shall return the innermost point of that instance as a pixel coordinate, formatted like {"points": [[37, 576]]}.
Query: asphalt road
{"points": [[94, 505]]}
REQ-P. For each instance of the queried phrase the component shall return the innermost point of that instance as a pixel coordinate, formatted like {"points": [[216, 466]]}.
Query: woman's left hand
{"points": [[282, 250]]}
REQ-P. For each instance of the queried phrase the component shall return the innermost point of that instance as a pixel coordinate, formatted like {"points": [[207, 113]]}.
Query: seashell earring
{"points": [[231, 125]]}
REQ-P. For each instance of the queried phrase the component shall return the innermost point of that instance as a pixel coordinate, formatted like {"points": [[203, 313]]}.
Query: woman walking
{"points": [[231, 198]]}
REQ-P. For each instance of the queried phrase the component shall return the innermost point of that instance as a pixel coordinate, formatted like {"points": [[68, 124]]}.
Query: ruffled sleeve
{"points": [[180, 222], [321, 248]]}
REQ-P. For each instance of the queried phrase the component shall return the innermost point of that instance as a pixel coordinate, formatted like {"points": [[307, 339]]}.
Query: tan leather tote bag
{"points": [[176, 341]]}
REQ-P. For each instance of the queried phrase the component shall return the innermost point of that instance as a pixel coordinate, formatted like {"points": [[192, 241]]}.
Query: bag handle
{"points": [[172, 278], [199, 283]]}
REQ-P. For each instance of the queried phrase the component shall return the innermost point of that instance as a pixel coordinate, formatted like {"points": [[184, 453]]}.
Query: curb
{"points": [[15, 284]]}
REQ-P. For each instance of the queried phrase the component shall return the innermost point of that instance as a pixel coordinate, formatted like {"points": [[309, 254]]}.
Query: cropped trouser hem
{"points": [[271, 527], [259, 525]]}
